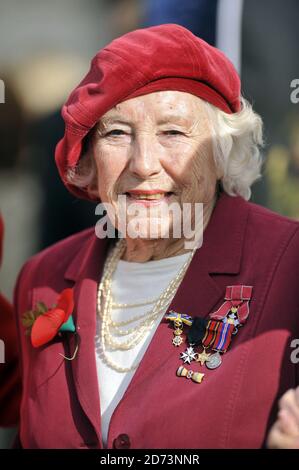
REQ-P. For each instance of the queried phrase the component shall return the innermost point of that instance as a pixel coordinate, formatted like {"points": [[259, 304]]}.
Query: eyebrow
{"points": [[171, 118], [116, 119]]}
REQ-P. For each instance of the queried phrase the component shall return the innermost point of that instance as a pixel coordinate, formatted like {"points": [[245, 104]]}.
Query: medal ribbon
{"points": [[211, 333], [224, 337], [218, 335], [235, 296], [173, 316]]}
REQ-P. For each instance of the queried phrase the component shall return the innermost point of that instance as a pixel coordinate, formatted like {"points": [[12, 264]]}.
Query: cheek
{"points": [[110, 164], [197, 172]]}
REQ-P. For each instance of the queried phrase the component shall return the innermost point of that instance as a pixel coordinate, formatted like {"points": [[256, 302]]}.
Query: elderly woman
{"points": [[144, 340]]}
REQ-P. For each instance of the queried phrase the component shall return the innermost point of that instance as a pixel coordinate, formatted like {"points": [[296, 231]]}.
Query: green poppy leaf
{"points": [[41, 307]]}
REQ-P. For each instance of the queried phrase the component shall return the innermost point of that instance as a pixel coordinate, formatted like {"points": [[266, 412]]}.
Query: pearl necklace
{"points": [[139, 304], [104, 308]]}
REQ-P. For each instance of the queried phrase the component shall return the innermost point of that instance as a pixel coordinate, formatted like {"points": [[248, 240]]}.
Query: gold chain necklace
{"points": [[104, 302]]}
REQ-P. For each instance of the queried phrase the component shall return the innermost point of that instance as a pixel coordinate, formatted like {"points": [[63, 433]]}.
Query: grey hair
{"points": [[237, 142]]}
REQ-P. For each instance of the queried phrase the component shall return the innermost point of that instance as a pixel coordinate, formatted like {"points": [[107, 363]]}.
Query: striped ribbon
{"points": [[172, 316], [218, 335]]}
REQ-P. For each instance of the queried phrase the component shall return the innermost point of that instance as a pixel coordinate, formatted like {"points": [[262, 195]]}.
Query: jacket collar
{"points": [[223, 238]]}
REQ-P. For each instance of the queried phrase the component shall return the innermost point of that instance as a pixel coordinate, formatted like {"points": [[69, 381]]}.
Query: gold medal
{"points": [[177, 341], [202, 357], [178, 320]]}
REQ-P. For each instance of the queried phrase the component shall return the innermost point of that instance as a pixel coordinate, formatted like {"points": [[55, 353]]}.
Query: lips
{"points": [[148, 195]]}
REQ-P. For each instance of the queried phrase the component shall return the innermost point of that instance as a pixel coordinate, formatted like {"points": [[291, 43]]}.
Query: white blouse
{"points": [[131, 283]]}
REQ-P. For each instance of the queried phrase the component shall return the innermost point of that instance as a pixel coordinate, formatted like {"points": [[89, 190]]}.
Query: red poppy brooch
{"points": [[43, 323]]}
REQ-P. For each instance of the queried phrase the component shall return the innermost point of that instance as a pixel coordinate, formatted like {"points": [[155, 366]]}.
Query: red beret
{"points": [[165, 57]]}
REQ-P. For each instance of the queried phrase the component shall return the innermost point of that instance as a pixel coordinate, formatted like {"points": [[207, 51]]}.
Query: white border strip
{"points": [[229, 30]]}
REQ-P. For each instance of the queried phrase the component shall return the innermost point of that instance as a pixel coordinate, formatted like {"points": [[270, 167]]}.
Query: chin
{"points": [[149, 229]]}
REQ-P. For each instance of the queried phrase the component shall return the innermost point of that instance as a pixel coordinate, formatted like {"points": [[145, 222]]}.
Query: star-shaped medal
{"points": [[188, 356], [202, 357]]}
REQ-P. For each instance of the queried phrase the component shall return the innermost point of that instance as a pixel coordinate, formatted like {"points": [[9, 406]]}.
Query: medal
{"points": [[189, 355], [177, 341], [236, 301], [202, 357], [178, 320], [214, 361]]}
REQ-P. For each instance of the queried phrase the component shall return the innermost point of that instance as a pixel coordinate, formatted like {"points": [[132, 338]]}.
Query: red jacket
{"points": [[235, 404], [10, 380]]}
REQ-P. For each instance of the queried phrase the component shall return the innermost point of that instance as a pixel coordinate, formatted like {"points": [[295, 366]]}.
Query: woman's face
{"points": [[155, 150]]}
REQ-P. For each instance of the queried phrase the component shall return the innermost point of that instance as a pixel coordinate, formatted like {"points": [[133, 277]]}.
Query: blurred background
{"points": [[45, 50]]}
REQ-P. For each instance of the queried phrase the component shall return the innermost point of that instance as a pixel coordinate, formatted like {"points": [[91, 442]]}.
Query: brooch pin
{"points": [[213, 335]]}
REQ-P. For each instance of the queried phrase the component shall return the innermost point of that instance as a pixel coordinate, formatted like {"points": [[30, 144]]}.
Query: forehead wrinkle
{"points": [[173, 118], [114, 120], [120, 116], [170, 118], [184, 112]]}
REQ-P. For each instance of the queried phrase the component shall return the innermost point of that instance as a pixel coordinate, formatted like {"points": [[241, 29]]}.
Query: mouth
{"points": [[148, 196]]}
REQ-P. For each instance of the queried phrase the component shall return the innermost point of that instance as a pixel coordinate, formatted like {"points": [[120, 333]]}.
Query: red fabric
{"points": [[235, 404], [165, 57], [238, 293], [47, 325], [10, 381]]}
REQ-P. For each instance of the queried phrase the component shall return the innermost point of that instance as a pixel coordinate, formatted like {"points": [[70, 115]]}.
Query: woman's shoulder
{"points": [[258, 211], [271, 239], [254, 236], [65, 248], [254, 223], [265, 223], [55, 258]]}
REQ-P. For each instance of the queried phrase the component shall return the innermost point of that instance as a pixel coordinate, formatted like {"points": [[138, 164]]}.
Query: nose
{"points": [[144, 158]]}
